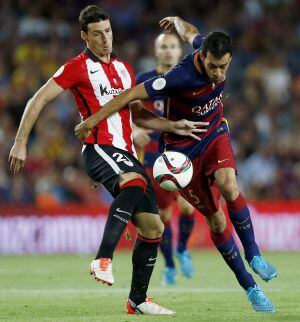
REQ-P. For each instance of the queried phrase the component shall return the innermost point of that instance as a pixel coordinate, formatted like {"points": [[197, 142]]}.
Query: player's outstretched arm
{"points": [[185, 30], [46, 93], [84, 129], [146, 119]]}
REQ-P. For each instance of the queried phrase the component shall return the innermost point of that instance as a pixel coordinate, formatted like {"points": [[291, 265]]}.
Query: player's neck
{"points": [[163, 69], [105, 58]]}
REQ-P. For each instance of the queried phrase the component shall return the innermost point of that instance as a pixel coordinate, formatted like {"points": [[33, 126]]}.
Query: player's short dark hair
{"points": [[91, 14], [218, 43]]}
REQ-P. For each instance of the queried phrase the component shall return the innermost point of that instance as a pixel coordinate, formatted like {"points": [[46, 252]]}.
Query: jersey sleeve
{"points": [[140, 77], [67, 75], [197, 42], [168, 83]]}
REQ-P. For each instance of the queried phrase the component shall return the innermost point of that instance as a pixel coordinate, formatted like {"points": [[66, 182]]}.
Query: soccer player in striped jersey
{"points": [[167, 50], [194, 88], [95, 77]]}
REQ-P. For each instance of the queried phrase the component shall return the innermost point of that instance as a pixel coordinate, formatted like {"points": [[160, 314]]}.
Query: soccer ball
{"points": [[173, 170]]}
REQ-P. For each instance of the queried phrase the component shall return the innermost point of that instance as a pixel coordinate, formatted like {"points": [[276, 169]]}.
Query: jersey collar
{"points": [[94, 58]]}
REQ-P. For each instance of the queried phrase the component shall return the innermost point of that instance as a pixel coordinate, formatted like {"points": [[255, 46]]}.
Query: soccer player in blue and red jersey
{"points": [[168, 51], [194, 88]]}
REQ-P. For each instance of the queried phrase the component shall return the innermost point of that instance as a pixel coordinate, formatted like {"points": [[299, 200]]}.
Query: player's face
{"points": [[99, 37], [167, 50], [216, 68]]}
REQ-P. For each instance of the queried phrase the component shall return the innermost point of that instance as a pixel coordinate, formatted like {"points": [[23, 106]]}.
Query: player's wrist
{"points": [[90, 123], [171, 126], [20, 141]]}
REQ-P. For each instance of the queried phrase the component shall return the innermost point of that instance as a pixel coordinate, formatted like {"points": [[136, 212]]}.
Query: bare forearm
{"points": [[116, 104], [30, 115], [149, 120], [33, 108], [186, 30]]}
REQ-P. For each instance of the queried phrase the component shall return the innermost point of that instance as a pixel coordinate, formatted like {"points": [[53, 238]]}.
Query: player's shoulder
{"points": [[77, 61], [145, 75], [124, 62], [191, 66], [184, 69]]}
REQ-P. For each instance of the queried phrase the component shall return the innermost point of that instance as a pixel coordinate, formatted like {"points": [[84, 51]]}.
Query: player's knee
{"points": [[229, 189], [132, 179], [187, 209], [217, 221], [154, 229]]}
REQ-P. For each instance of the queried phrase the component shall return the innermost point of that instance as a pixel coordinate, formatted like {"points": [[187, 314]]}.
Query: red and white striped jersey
{"points": [[93, 83]]}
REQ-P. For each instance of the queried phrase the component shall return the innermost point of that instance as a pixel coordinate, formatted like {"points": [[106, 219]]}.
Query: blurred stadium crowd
{"points": [[262, 99]]}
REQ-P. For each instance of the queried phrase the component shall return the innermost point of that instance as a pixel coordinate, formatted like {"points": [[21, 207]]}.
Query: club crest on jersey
{"points": [[104, 90], [202, 110], [159, 84]]}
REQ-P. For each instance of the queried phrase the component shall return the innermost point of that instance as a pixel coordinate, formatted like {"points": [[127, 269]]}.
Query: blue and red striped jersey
{"points": [[190, 95]]}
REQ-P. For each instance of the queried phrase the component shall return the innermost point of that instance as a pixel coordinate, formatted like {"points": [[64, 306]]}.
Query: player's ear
{"points": [[83, 35]]}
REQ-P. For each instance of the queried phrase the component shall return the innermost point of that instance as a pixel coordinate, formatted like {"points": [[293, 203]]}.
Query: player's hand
{"points": [[189, 128], [83, 130], [168, 23], [17, 157], [141, 136]]}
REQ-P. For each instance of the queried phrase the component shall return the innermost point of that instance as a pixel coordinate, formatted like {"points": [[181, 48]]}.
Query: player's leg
{"points": [[123, 180], [120, 211], [165, 200], [186, 225], [204, 195], [240, 217], [150, 229], [166, 246], [225, 244]]}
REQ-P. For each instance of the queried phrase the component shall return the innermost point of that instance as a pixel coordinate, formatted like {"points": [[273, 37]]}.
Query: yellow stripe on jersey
{"points": [[141, 155], [224, 119]]}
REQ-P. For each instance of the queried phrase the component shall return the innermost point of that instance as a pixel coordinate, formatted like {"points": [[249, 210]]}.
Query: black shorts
{"points": [[104, 164]]}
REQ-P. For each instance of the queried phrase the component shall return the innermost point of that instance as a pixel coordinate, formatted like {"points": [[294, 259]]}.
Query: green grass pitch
{"points": [[58, 288]]}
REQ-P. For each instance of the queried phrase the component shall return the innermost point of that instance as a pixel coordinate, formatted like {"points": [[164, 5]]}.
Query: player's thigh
{"points": [[226, 179], [112, 166], [164, 197], [201, 192], [148, 225], [216, 221], [218, 155], [185, 207], [130, 176], [165, 213]]}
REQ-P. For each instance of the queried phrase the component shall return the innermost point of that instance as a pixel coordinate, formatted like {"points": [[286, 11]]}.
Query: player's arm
{"points": [[173, 80], [34, 106], [186, 31], [148, 120], [84, 129]]}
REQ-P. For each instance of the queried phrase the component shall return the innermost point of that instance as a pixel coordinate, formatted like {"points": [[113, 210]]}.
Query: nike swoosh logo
{"points": [[220, 161], [94, 71], [152, 259], [197, 93], [125, 212]]}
